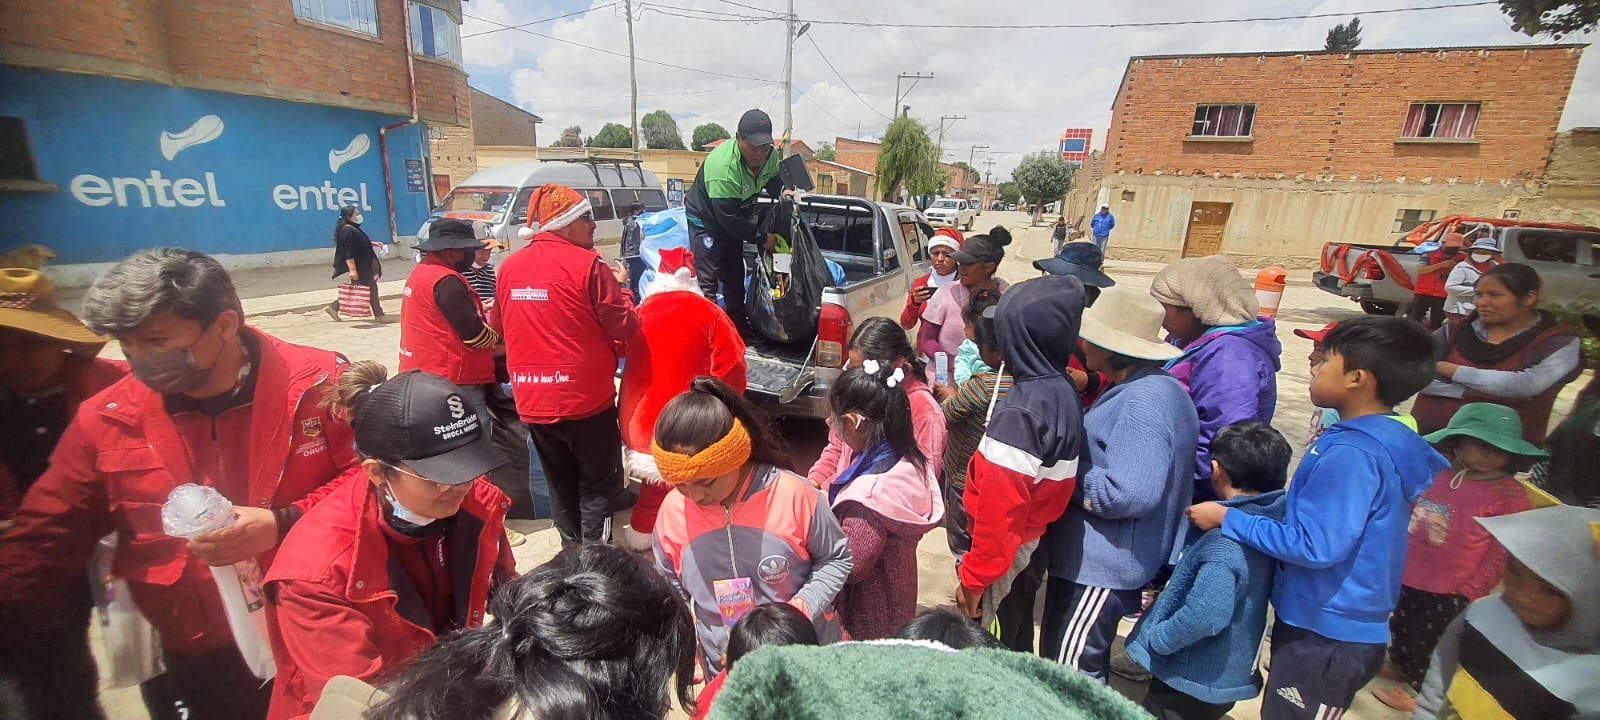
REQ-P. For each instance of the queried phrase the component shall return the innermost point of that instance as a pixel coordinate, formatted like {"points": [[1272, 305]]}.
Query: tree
{"points": [[1343, 37], [660, 131], [1009, 192], [708, 133], [570, 137], [1556, 17], [905, 160], [612, 135], [824, 152], [1043, 178]]}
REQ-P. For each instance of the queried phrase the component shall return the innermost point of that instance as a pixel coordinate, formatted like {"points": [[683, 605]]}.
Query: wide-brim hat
{"points": [[449, 234], [1081, 260], [1127, 323], [1488, 244], [1496, 425], [28, 303]]}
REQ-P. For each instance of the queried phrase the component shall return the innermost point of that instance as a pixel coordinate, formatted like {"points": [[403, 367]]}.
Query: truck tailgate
{"points": [[781, 372]]}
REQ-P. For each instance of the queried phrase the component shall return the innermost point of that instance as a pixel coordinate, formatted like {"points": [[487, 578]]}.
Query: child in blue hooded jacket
{"points": [[1341, 543], [1201, 637]]}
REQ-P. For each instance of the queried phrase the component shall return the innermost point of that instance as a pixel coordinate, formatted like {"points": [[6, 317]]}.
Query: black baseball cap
{"points": [[755, 127], [448, 234], [980, 248], [423, 421]]}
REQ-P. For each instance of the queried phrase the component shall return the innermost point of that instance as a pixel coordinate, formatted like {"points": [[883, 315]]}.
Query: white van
{"points": [[497, 197]]}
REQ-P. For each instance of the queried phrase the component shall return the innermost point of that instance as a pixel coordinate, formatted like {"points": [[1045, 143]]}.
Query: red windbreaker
{"points": [[85, 377], [123, 454], [564, 319], [427, 340], [339, 603]]}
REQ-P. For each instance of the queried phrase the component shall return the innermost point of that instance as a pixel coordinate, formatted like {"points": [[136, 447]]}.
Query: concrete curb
{"points": [[311, 300]]}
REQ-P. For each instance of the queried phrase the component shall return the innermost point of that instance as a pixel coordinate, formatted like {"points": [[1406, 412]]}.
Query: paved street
{"points": [[1303, 307]]}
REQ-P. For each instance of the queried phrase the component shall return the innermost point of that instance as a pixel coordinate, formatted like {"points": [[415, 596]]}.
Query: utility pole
{"points": [[938, 152], [791, 35], [633, 79], [971, 153], [914, 78]]}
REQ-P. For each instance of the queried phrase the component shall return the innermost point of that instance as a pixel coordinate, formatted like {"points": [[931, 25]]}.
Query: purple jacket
{"points": [[1231, 373]]}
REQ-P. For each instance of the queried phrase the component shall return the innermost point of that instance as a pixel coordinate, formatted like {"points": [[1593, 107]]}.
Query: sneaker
{"points": [[514, 538], [332, 312], [1126, 667], [1398, 697]]}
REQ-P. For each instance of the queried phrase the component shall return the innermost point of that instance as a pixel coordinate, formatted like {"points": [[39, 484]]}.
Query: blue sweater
{"points": [[1126, 512], [1202, 634], [1342, 541]]}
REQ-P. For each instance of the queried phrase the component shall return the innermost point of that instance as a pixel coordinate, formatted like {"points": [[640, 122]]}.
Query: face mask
{"points": [[464, 262], [1481, 258], [356, 218], [170, 373], [403, 513]]}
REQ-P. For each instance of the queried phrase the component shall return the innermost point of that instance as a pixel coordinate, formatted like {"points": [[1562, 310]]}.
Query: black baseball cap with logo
{"points": [[755, 127], [423, 422]]}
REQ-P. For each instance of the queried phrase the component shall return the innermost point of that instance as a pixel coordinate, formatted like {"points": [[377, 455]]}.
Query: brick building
{"points": [[862, 155], [1267, 156], [495, 123], [229, 126]]}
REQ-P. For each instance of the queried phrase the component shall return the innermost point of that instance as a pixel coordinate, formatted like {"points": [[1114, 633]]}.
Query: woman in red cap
{"points": [[942, 249]]}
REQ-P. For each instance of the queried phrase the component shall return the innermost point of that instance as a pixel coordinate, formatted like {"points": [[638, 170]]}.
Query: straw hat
{"points": [[1128, 323], [28, 303]]}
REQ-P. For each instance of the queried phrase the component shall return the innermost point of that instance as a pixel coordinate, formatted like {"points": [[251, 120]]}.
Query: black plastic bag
{"points": [[784, 307]]}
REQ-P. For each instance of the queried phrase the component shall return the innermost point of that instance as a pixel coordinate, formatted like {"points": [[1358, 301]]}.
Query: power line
{"points": [[535, 22], [846, 83], [618, 54], [748, 7], [1155, 23]]}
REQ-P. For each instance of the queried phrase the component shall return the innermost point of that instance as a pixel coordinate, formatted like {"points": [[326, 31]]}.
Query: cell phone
{"points": [[941, 368]]}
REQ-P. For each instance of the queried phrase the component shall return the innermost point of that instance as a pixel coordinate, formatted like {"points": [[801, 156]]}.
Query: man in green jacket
{"points": [[723, 213]]}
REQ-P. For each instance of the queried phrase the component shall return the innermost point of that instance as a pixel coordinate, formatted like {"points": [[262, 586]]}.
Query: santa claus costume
{"points": [[682, 336]]}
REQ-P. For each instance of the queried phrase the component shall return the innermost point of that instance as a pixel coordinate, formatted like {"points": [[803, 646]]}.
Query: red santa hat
{"points": [[947, 238], [553, 207], [675, 259]]}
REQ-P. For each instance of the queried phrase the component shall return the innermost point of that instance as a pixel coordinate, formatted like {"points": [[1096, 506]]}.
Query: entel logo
{"points": [[159, 191]]}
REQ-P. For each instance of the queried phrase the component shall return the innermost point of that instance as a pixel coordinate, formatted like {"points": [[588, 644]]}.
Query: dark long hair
{"points": [[695, 420], [594, 633], [882, 339], [983, 332], [345, 213], [887, 410], [1521, 280]]}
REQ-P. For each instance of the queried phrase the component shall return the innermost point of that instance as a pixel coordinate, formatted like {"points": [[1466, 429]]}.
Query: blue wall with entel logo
{"points": [[140, 165]]}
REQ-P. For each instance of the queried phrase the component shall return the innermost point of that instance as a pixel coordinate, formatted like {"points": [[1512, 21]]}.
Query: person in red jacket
{"points": [[380, 569], [566, 315], [442, 321], [942, 250], [47, 369], [682, 336], [211, 402]]}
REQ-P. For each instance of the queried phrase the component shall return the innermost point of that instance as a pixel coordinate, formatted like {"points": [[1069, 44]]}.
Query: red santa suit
{"points": [[682, 336]]}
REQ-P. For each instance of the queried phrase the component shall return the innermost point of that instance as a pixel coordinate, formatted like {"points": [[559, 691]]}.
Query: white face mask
{"points": [[1482, 257], [356, 218], [403, 513]]}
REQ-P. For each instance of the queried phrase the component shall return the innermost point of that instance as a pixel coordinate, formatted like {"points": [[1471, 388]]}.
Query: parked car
{"points": [[883, 248], [952, 212], [1382, 277], [498, 196]]}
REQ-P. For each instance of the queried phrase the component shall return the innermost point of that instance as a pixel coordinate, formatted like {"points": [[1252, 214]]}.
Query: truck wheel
{"points": [[968, 227], [1378, 307]]}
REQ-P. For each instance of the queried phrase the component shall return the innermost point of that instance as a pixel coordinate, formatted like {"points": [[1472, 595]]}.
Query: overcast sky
{"points": [[1017, 88]]}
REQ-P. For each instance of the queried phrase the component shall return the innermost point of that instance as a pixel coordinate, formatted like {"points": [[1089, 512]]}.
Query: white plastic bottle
{"points": [[193, 510]]}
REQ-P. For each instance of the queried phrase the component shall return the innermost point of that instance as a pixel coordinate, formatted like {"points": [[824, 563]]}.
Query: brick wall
{"points": [[1337, 116], [254, 48], [496, 122], [456, 155]]}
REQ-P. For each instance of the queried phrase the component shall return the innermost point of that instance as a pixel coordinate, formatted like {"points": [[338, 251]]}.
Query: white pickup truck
{"points": [[952, 212], [883, 248]]}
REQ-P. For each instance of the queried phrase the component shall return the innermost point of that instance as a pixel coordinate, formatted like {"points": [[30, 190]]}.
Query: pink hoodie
{"points": [[927, 421]]}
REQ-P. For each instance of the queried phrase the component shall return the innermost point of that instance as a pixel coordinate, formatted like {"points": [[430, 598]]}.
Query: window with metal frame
{"points": [[652, 200], [434, 34], [916, 242], [354, 15], [1232, 121], [1548, 246], [1408, 220], [1457, 121], [600, 207]]}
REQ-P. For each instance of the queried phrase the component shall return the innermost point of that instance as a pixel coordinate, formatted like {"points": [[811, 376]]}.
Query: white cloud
{"points": [[1017, 88]]}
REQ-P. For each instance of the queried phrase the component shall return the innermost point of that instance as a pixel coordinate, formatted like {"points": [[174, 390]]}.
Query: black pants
{"points": [[51, 670], [1168, 704], [582, 462], [1418, 622], [1427, 310], [1080, 624], [370, 280], [721, 264], [203, 687], [1314, 677], [1014, 614], [635, 274]]}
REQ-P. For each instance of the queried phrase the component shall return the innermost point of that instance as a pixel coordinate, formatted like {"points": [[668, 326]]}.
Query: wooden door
{"points": [[1207, 223], [441, 187]]}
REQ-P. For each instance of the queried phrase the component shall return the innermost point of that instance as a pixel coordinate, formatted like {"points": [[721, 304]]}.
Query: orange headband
{"points": [[720, 458]]}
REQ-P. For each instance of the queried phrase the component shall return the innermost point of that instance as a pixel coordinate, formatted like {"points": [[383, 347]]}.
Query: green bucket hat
{"points": [[1497, 425]]}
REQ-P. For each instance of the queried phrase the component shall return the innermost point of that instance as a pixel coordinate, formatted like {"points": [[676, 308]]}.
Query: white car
{"points": [[951, 212]]}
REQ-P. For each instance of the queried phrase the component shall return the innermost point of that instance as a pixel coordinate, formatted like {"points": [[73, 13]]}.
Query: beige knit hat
{"points": [[1209, 286]]}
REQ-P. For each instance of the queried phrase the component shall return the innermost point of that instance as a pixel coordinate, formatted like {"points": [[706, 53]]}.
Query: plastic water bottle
{"points": [[941, 368], [193, 510]]}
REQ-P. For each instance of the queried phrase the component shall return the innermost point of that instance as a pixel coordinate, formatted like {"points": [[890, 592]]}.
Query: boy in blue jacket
{"points": [[1200, 638], [1341, 544]]}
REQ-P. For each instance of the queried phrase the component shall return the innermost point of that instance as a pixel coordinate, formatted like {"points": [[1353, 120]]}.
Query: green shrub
{"points": [[1571, 314]]}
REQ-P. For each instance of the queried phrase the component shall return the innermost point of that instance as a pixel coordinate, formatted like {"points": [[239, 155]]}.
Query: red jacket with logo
{"points": [[123, 454], [565, 320], [340, 604], [428, 342], [85, 377]]}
